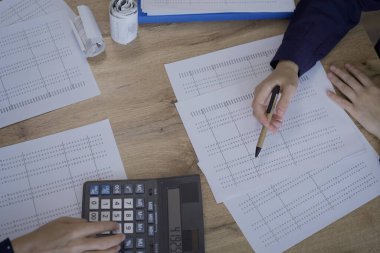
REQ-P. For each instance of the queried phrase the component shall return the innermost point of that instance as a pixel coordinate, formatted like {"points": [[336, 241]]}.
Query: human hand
{"points": [[69, 235], [362, 96], [286, 76]]}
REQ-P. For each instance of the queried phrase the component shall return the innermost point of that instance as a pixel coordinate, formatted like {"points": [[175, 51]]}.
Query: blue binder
{"points": [[144, 18]]}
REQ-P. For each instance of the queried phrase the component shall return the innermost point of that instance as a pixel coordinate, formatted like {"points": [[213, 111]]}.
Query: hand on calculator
{"points": [[69, 235]]}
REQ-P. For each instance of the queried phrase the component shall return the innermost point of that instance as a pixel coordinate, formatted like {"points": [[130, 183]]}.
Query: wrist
{"points": [[289, 65], [20, 245]]}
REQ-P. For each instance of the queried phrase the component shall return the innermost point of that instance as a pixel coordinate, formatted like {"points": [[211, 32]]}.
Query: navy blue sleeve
{"points": [[6, 246], [316, 27]]}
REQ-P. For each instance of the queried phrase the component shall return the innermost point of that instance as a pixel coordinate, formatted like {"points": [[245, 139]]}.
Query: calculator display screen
{"points": [[174, 218]]}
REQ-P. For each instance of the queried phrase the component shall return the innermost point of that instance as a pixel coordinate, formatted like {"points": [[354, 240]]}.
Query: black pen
{"points": [[270, 110]]}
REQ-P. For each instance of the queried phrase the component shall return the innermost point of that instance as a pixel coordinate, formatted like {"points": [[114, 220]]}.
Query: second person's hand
{"points": [[286, 76]]}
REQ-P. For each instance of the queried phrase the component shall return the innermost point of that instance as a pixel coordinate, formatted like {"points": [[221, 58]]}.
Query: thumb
{"points": [[286, 96]]}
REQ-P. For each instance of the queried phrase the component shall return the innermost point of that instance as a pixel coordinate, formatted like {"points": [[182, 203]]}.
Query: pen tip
{"points": [[258, 149]]}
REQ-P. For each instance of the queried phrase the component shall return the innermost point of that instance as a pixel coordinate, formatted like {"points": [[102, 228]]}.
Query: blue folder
{"points": [[144, 18]]}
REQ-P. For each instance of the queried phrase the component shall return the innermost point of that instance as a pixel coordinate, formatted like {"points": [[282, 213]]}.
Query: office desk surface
{"points": [[138, 100]]}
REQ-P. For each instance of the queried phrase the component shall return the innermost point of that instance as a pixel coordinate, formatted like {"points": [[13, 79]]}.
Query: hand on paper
{"points": [[69, 235], [285, 75], [362, 96]]}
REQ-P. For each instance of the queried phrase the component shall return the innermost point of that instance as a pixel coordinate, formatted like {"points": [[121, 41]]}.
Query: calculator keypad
{"points": [[132, 206]]}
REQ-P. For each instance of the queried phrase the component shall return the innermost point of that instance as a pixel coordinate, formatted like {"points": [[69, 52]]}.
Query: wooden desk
{"points": [[138, 100]]}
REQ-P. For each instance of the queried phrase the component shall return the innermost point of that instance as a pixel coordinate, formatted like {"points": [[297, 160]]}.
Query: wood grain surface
{"points": [[137, 98]]}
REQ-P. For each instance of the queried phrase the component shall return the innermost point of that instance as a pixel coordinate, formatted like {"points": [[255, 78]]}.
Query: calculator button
{"points": [[128, 243], [94, 189], [119, 229], [140, 227], [128, 228], [93, 216], [105, 216], [94, 203], [116, 204], [140, 243], [105, 189], [128, 189], [128, 203], [116, 215], [139, 188], [105, 204], [150, 218], [150, 206], [140, 203], [140, 251], [128, 215], [151, 230], [127, 251], [116, 189], [139, 215]]}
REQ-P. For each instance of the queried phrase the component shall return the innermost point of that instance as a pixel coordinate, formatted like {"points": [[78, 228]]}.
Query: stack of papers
{"points": [[42, 66], [316, 169], [42, 179], [153, 11], [175, 7]]}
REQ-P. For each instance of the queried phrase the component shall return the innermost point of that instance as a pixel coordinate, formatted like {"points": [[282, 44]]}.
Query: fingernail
{"points": [[329, 75], [348, 65], [332, 67]]}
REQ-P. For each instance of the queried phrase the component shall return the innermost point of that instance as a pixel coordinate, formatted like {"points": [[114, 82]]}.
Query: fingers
{"points": [[100, 243], [259, 104], [347, 79], [91, 228], [71, 220], [275, 123], [111, 250], [344, 88], [346, 105], [286, 96], [363, 79]]}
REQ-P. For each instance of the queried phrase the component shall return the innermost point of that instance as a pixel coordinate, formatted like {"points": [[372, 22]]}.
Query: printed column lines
{"points": [[242, 140], [39, 6], [31, 190], [220, 150], [237, 128], [71, 176], [36, 62], [287, 147], [262, 218], [93, 157], [5, 91], [253, 70], [285, 206], [17, 14], [59, 55], [217, 77], [195, 83], [320, 190]]}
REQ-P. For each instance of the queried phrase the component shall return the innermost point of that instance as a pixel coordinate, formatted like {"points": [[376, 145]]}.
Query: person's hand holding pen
{"points": [[286, 76]]}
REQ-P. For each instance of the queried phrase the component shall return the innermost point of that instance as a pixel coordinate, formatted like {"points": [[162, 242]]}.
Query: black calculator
{"points": [[157, 215]]}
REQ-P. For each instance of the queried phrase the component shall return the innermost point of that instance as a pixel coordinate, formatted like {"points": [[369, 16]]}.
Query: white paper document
{"points": [[247, 63], [42, 68], [276, 217], [172, 7], [42, 179], [224, 134], [14, 11]]}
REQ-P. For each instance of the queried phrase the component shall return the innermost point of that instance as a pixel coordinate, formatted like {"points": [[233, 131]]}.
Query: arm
{"points": [[69, 235], [316, 27]]}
